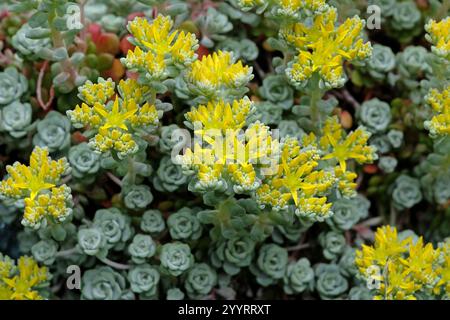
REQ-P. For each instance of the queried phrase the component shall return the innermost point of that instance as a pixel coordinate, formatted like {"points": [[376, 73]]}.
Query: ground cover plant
{"points": [[235, 149]]}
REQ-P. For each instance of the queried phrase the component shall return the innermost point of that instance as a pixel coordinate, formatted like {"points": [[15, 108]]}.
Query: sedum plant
{"points": [[39, 186], [404, 269], [222, 150]]}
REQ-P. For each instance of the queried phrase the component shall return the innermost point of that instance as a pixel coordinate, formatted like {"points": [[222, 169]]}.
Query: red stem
{"points": [[43, 105]]}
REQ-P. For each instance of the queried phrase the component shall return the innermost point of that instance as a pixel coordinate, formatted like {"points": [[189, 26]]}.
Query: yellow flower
{"points": [[439, 36], [158, 47], [419, 263], [354, 146], [117, 120], [346, 184], [216, 75], [406, 269], [233, 154], [146, 61], [21, 282], [322, 48], [440, 103], [36, 184], [97, 92], [293, 6], [443, 270], [249, 4], [298, 180], [221, 115], [386, 247]]}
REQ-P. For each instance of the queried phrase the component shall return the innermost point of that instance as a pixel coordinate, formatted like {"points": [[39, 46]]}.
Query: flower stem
{"points": [[114, 264], [114, 179], [131, 171], [65, 253], [316, 96]]}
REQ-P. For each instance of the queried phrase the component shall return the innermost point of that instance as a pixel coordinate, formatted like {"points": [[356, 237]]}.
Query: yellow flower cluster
{"points": [[341, 148], [322, 49], [439, 36], [159, 48], [440, 103], [21, 282], [298, 179], [404, 269], [37, 185], [251, 160], [221, 115], [96, 92], [218, 76], [115, 121], [224, 150]]}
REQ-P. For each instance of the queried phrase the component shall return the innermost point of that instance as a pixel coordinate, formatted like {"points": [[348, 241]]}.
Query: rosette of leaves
{"points": [[102, 283], [141, 248], [174, 294], [377, 68], [152, 222], [15, 119], [434, 173], [330, 283], [233, 254], [113, 23], [412, 64], [381, 143], [26, 239], [115, 227], [8, 213], [406, 192], [360, 293], [137, 197], [140, 165], [92, 242], [213, 25], [333, 244], [375, 115], [13, 84], [31, 42], [244, 49], [169, 176], [387, 164], [290, 128], [176, 258], [144, 279], [53, 132], [84, 163], [249, 50], [276, 89], [347, 262], [270, 265], [268, 112], [386, 6], [290, 227], [200, 280], [299, 277], [184, 225], [395, 138], [347, 212], [233, 221], [404, 21], [167, 142], [45, 251]]}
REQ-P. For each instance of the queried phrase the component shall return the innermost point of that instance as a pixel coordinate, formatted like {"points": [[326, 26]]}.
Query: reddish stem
{"points": [[43, 105]]}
